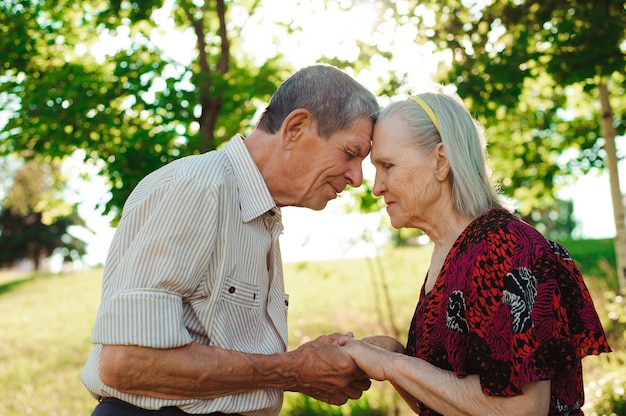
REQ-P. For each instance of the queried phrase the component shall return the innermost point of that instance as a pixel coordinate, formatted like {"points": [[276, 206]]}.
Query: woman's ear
{"points": [[443, 165], [295, 125]]}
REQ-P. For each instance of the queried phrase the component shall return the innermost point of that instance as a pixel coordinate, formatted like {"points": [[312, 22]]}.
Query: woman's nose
{"points": [[378, 187]]}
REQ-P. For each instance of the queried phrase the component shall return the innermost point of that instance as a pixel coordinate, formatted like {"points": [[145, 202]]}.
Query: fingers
{"points": [[351, 347], [338, 339], [361, 384], [328, 373], [352, 391], [338, 399], [385, 342], [369, 358], [325, 365]]}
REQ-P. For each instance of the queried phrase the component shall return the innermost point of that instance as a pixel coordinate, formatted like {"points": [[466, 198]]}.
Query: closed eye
{"points": [[350, 155], [357, 152]]}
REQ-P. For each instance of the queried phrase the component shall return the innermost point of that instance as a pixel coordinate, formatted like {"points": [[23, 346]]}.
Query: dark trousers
{"points": [[110, 406]]}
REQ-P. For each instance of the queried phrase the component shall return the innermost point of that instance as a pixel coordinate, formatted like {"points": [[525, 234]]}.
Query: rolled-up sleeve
{"points": [[144, 318]]}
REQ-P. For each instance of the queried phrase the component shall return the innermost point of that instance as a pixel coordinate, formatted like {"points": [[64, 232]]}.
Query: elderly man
{"points": [[193, 318]]}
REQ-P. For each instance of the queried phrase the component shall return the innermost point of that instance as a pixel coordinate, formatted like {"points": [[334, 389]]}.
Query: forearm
{"points": [[444, 392], [319, 368], [193, 371]]}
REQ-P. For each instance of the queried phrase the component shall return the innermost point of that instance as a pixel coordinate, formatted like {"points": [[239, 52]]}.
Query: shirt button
{"points": [[286, 303], [231, 289]]}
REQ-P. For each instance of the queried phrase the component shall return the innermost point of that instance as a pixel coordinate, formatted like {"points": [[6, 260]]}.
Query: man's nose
{"points": [[355, 175]]}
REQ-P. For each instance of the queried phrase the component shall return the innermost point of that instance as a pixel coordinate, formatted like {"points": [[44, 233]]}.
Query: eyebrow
{"points": [[379, 160]]}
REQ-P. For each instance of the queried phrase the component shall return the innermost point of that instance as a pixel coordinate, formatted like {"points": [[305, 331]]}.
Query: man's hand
{"points": [[353, 391], [325, 372]]}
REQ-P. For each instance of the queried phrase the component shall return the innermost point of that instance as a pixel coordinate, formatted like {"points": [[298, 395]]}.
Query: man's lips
{"points": [[338, 189]]}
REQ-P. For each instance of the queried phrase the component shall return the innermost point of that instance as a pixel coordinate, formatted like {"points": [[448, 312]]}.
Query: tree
{"points": [[27, 237], [539, 73], [35, 220], [138, 105], [137, 108]]}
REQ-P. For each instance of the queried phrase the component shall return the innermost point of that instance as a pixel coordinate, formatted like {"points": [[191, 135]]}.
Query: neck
{"points": [[445, 232]]}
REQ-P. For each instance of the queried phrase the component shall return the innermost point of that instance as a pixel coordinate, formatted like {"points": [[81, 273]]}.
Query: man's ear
{"points": [[295, 125], [443, 165]]}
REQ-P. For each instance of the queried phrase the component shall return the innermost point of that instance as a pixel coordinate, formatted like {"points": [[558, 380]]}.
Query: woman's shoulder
{"points": [[501, 223], [506, 234]]}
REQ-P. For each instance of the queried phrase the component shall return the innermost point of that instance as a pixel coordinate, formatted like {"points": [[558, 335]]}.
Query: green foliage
{"points": [[527, 70], [140, 108], [305, 406]]}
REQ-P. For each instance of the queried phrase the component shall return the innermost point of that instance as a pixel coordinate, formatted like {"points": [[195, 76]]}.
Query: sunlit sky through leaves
{"points": [[328, 31]]}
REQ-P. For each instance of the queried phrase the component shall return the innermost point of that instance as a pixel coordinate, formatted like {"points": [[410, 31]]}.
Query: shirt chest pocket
{"points": [[238, 321], [240, 293]]}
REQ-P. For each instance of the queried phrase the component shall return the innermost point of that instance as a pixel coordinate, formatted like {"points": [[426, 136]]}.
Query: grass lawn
{"points": [[46, 321], [44, 340]]}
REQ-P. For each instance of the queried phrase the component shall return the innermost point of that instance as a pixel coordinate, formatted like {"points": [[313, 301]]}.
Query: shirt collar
{"points": [[254, 197]]}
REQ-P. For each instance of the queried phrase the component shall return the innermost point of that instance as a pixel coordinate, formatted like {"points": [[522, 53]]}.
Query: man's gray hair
{"points": [[335, 99]]}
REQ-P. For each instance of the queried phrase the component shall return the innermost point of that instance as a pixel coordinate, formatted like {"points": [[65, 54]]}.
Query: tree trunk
{"points": [[210, 97], [608, 131]]}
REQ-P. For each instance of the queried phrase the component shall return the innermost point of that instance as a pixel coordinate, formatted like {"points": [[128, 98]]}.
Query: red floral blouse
{"points": [[511, 307]]}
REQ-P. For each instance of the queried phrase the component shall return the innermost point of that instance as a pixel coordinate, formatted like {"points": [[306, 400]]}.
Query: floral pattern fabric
{"points": [[511, 307]]}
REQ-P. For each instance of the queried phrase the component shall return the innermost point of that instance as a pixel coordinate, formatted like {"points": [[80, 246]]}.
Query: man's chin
{"points": [[319, 205]]}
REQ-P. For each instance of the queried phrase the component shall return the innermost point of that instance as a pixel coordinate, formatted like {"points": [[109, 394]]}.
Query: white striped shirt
{"points": [[196, 258]]}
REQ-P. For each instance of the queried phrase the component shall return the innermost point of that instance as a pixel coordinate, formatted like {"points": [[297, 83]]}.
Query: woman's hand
{"points": [[385, 342], [372, 360]]}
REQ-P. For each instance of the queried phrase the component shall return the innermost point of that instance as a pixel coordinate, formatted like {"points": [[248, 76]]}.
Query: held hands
{"points": [[373, 354], [327, 373], [335, 368]]}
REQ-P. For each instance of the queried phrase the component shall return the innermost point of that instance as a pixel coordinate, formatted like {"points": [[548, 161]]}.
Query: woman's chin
{"points": [[397, 224]]}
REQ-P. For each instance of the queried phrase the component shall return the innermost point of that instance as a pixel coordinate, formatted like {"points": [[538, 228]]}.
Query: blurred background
{"points": [[96, 94]]}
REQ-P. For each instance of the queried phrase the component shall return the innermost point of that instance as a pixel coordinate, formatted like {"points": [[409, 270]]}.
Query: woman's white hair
{"points": [[465, 145]]}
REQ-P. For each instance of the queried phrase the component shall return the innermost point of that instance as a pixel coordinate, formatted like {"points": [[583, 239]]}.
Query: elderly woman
{"points": [[504, 316]]}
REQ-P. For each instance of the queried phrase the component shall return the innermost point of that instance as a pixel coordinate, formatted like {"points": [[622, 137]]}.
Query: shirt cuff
{"points": [[144, 318]]}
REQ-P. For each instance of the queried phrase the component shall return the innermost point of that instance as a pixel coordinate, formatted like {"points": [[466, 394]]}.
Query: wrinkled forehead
{"points": [[387, 127], [360, 137], [389, 134]]}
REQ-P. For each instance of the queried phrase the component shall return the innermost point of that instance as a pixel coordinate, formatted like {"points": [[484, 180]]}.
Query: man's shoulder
{"points": [[209, 166]]}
